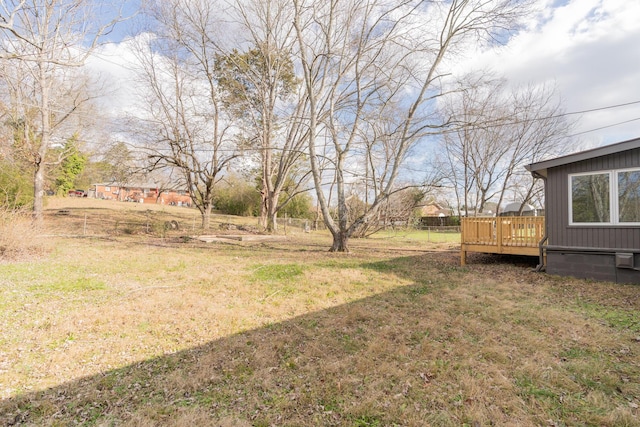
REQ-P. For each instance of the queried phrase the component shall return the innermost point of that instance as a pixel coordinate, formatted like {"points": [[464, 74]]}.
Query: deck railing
{"points": [[519, 235]]}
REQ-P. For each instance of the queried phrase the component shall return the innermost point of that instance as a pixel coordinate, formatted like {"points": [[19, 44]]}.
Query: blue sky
{"points": [[590, 49], [123, 29]]}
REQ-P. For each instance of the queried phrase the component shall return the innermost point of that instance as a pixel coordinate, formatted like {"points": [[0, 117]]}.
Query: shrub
{"points": [[16, 186], [18, 236], [238, 198], [300, 206]]}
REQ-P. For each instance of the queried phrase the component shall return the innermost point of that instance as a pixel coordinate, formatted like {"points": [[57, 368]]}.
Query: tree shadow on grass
{"points": [[503, 259], [346, 365], [404, 357]]}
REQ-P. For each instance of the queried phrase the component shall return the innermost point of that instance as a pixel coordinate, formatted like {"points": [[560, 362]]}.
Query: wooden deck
{"points": [[520, 235]]}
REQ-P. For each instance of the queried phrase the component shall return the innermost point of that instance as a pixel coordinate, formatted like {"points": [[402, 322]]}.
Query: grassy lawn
{"points": [[157, 329], [422, 236]]}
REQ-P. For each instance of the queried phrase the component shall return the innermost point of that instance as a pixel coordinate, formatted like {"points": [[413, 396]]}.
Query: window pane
{"points": [[629, 196], [590, 198]]}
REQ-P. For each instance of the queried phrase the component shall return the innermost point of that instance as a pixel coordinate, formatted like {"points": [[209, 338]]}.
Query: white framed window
{"points": [[605, 198], [107, 189], [590, 198], [628, 183]]}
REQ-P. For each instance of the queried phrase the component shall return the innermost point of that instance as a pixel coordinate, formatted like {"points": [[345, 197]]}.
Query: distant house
{"points": [[489, 209], [141, 193], [436, 215], [514, 209], [435, 209], [592, 205]]}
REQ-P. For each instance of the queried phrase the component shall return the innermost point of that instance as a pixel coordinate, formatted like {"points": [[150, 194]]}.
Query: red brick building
{"points": [[141, 193]]}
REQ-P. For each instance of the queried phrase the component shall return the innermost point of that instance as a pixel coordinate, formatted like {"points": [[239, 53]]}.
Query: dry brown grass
{"points": [[19, 238], [72, 216], [143, 330]]}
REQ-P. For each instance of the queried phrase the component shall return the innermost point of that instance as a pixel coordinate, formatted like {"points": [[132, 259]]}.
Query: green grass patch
{"points": [[276, 273], [616, 318], [79, 284], [382, 266], [44, 277], [425, 236], [368, 421], [277, 280], [529, 388], [338, 264], [577, 353], [23, 272]]}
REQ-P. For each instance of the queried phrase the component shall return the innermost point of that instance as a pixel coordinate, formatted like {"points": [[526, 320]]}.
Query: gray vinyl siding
{"points": [[557, 215], [601, 252]]}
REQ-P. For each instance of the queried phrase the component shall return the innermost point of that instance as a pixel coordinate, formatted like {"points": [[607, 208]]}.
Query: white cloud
{"points": [[114, 66], [591, 50]]}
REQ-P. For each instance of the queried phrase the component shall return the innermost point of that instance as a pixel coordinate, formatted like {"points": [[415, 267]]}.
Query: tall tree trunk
{"points": [[272, 223], [272, 212], [206, 215], [207, 206], [43, 148], [343, 232], [340, 242], [264, 208], [38, 192]]}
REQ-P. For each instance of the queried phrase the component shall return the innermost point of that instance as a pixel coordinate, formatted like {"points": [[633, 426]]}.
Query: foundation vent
{"points": [[624, 260]]}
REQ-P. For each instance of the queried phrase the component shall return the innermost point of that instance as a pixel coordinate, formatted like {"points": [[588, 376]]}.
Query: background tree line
{"points": [[314, 103]]}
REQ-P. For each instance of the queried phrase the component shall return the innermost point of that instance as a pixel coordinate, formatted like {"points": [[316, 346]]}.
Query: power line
{"points": [[604, 127], [500, 122], [604, 108], [609, 107], [626, 104]]}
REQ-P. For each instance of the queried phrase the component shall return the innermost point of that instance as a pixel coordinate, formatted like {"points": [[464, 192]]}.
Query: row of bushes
{"points": [[243, 199]]}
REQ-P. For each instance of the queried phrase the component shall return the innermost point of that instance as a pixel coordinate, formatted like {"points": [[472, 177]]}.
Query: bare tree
{"points": [[475, 144], [369, 60], [538, 132], [498, 130], [185, 125], [262, 83], [398, 210], [48, 41]]}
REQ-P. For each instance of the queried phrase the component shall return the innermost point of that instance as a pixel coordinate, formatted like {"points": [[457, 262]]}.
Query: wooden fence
{"points": [[519, 235]]}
